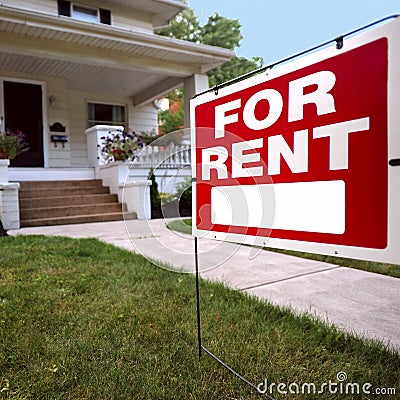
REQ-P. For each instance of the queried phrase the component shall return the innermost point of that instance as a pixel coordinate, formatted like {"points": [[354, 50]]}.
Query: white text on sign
{"points": [[214, 158]]}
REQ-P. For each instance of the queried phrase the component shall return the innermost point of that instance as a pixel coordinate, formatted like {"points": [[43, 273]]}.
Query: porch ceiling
{"points": [[84, 77], [100, 58]]}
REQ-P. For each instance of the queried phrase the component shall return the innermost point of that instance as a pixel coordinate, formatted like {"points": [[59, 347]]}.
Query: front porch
{"points": [[104, 192], [83, 74]]}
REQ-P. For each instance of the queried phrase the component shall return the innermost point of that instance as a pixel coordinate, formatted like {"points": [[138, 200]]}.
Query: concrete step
{"points": [[62, 211], [41, 202], [65, 192], [68, 202], [28, 185], [80, 219]]}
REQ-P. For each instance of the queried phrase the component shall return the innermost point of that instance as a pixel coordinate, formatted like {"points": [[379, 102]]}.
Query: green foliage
{"points": [[148, 136], [154, 139], [83, 320], [221, 32], [185, 26], [120, 146], [155, 199], [181, 225], [183, 193], [232, 69], [171, 120], [218, 31], [371, 266], [12, 144]]}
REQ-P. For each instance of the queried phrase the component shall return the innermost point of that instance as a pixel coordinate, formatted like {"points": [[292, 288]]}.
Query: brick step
{"points": [[61, 211], [41, 202], [68, 191], [78, 219], [27, 185]]}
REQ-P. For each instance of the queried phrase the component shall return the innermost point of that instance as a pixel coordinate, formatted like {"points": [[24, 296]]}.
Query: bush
{"points": [[12, 144], [184, 195], [120, 146], [155, 198]]}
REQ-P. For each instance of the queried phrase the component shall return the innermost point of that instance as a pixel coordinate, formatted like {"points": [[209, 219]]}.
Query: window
{"points": [[84, 13], [106, 114]]}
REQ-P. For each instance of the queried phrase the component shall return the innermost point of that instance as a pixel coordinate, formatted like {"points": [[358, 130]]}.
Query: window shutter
{"points": [[105, 16], [64, 8]]}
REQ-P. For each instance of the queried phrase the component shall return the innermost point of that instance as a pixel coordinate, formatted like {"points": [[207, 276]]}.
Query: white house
{"points": [[66, 66]]}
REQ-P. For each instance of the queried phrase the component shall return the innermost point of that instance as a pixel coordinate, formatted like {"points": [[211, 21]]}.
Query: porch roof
{"points": [[92, 56], [161, 10]]}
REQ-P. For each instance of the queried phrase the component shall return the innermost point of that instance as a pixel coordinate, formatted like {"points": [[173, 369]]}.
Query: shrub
{"points": [[120, 146], [12, 144]]}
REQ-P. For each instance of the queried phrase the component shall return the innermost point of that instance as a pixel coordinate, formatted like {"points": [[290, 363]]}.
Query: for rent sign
{"points": [[299, 157]]}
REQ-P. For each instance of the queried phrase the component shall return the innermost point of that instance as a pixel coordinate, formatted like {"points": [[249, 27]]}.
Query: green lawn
{"points": [[81, 319], [184, 226]]}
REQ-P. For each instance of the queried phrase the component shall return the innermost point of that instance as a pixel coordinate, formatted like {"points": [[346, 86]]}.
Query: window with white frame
{"points": [[84, 13], [106, 114]]}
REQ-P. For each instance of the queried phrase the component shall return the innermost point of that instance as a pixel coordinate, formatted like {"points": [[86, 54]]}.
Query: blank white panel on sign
{"points": [[300, 206]]}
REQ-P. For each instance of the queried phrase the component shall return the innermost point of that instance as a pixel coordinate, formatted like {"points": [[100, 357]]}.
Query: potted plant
{"points": [[120, 146], [11, 145]]}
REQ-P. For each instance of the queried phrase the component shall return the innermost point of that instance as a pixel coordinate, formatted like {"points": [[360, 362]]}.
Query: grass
{"points": [[81, 319], [181, 225], [184, 225]]}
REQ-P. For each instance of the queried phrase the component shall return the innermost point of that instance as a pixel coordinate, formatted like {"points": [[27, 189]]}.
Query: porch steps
{"points": [[68, 202]]}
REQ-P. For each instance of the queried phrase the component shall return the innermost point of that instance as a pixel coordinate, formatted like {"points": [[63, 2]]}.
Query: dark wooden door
{"points": [[23, 112]]}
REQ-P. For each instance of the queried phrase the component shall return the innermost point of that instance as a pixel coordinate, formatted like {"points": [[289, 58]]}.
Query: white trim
{"points": [[45, 133], [215, 55], [108, 103], [49, 174]]}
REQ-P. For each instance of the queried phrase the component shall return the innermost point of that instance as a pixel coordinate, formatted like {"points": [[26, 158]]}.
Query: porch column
{"points": [[194, 84], [94, 142], [9, 205]]}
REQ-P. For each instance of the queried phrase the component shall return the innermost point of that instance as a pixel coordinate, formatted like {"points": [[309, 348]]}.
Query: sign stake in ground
{"points": [[305, 156]]}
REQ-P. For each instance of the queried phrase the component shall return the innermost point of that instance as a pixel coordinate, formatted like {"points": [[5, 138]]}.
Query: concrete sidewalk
{"points": [[361, 302]]}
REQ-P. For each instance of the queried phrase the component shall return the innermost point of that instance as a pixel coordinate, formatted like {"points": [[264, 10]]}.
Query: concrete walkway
{"points": [[364, 303]]}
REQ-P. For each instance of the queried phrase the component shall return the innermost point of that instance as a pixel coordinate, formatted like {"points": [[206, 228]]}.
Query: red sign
{"points": [[300, 155]]}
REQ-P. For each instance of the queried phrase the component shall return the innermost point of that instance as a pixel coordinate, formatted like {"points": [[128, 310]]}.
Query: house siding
{"points": [[124, 18], [142, 118], [46, 6], [59, 155], [70, 109], [145, 118]]}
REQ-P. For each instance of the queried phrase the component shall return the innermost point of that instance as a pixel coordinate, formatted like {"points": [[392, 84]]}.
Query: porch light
{"points": [[52, 100]]}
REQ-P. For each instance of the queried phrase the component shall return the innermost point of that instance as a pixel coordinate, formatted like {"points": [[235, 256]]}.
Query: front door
{"points": [[23, 112]]}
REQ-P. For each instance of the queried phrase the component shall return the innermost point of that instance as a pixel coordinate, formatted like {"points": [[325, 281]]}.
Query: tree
{"points": [[218, 31], [171, 120], [185, 26], [221, 32], [232, 69]]}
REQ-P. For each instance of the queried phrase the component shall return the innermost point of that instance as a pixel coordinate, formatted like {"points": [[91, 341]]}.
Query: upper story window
{"points": [[84, 13]]}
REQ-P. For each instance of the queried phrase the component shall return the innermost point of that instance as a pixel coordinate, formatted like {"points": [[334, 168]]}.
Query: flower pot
{"points": [[4, 163]]}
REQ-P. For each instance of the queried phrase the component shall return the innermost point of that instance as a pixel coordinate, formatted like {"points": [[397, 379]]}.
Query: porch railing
{"points": [[173, 156]]}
